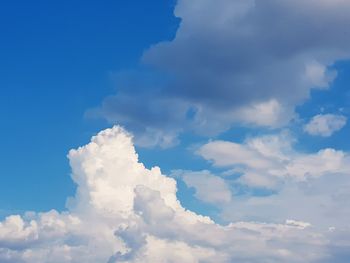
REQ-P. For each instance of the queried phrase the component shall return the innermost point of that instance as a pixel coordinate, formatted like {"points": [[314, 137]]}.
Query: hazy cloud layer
{"points": [[123, 212], [232, 62]]}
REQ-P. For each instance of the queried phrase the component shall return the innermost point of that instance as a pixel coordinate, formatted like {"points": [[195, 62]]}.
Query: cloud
{"points": [[320, 201], [233, 62], [208, 187], [124, 212], [271, 180], [325, 124], [154, 121], [269, 160]]}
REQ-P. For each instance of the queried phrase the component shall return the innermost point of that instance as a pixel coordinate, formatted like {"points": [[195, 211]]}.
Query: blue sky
{"points": [[244, 104]]}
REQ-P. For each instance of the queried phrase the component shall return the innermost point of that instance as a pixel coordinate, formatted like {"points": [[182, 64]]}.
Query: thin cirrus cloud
{"points": [[232, 62], [325, 124], [123, 212]]}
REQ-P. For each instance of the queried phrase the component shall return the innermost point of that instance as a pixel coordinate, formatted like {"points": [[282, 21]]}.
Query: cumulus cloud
{"points": [[208, 187], [274, 181], [233, 62], [325, 124], [124, 212], [269, 160]]}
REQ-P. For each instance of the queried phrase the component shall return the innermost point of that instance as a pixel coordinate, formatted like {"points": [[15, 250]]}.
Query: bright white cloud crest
{"points": [[123, 212]]}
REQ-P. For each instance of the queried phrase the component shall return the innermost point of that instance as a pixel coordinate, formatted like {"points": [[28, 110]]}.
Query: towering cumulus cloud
{"points": [[123, 212]]}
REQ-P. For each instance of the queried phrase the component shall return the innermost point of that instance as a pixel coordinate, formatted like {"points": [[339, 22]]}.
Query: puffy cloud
{"points": [[274, 181], [233, 62], [208, 187], [123, 212], [270, 160], [325, 124], [256, 51]]}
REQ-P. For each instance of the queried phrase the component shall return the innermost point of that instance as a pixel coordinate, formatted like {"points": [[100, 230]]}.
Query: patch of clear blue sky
{"points": [[335, 100], [56, 60]]}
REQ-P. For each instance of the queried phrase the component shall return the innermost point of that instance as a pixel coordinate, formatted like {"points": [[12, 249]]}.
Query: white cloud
{"points": [[123, 212], [319, 75], [308, 187], [299, 224], [325, 124], [270, 114], [320, 201], [269, 160], [208, 187]]}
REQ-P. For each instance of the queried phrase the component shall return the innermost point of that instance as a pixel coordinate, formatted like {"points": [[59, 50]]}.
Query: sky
{"points": [[175, 131]]}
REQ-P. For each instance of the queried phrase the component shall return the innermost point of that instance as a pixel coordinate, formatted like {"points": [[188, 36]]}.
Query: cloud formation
{"points": [[233, 62], [325, 124], [271, 180], [269, 160], [123, 212], [208, 187]]}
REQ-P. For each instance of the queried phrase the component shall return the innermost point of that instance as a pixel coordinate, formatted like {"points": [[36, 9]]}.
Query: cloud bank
{"points": [[232, 62], [124, 212]]}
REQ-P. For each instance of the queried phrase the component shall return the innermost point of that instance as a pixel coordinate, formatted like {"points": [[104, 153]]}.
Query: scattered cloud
{"points": [[123, 212], [274, 181], [325, 124], [269, 160]]}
